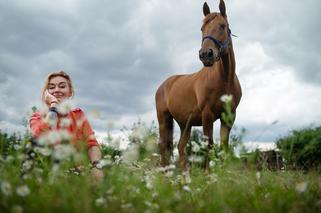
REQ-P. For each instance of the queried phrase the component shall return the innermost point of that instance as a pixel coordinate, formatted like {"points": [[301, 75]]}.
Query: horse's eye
{"points": [[222, 26]]}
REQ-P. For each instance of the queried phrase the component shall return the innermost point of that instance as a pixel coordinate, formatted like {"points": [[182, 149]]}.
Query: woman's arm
{"points": [[94, 154], [38, 125]]}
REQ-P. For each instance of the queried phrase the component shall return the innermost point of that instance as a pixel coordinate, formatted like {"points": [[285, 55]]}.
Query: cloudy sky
{"points": [[119, 52]]}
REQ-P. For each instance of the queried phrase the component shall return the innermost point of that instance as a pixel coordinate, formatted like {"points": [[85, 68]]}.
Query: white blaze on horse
{"points": [[194, 99]]}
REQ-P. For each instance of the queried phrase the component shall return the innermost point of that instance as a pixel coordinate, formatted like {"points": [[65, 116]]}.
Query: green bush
{"points": [[302, 148]]}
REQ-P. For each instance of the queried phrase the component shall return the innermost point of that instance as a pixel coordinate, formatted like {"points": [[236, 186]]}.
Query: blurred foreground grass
{"points": [[133, 182]]}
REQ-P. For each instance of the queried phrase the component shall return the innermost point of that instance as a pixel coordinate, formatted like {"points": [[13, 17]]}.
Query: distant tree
{"points": [[302, 148]]}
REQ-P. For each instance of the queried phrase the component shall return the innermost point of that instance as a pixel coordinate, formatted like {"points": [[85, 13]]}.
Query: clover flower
{"points": [[23, 191], [226, 98], [6, 188]]}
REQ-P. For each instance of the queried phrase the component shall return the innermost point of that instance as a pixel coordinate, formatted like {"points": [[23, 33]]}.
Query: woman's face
{"points": [[58, 87]]}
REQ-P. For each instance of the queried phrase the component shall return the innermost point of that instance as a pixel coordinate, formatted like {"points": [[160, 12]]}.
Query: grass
{"points": [[139, 185]]}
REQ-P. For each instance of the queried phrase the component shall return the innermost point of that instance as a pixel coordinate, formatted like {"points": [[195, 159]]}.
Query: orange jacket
{"points": [[77, 125]]}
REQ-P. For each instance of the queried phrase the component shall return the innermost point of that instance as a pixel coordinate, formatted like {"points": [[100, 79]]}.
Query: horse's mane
{"points": [[209, 18]]}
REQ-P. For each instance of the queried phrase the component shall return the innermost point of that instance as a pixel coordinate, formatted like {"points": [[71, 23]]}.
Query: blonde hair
{"points": [[55, 74]]}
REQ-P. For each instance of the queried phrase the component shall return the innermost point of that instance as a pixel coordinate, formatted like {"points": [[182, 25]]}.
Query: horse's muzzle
{"points": [[208, 56]]}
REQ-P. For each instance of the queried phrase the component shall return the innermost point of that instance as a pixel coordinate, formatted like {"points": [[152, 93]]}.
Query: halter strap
{"points": [[222, 46]]}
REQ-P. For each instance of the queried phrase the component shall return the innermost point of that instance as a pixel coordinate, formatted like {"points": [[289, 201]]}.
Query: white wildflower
{"points": [[9, 158], [186, 188], [23, 190], [117, 159], [186, 178], [148, 203], [151, 145], [100, 201], [65, 122], [195, 147], [63, 151], [55, 169], [26, 165], [17, 147], [169, 174], [195, 158], [301, 187], [154, 194], [131, 154], [213, 178], [138, 133], [149, 185], [102, 163], [204, 144], [155, 154], [64, 107], [258, 175], [170, 167], [43, 151], [54, 137], [127, 206], [115, 143], [212, 163], [226, 98], [6, 188]]}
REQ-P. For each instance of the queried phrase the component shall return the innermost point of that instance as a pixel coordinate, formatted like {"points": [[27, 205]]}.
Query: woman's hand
{"points": [[51, 100]]}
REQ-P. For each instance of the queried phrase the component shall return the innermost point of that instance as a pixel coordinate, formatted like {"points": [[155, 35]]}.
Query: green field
{"points": [[134, 182]]}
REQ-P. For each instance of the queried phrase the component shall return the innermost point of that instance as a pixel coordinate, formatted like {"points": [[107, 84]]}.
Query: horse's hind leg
{"points": [[165, 121]]}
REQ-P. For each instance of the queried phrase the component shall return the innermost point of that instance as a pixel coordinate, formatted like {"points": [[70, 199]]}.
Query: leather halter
{"points": [[221, 45]]}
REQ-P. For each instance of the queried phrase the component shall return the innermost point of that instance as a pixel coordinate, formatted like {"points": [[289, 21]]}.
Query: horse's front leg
{"points": [[225, 135], [207, 122], [185, 135]]}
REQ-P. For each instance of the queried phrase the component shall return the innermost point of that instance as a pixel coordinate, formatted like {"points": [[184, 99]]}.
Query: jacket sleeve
{"points": [[88, 133], [37, 125]]}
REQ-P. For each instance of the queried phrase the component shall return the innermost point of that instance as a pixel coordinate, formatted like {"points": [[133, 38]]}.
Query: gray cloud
{"points": [[118, 52], [288, 31]]}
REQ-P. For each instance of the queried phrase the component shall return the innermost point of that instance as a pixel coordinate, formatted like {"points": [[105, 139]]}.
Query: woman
{"points": [[58, 88]]}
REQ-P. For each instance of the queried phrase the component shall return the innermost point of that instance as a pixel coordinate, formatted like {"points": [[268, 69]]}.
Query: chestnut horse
{"points": [[194, 99]]}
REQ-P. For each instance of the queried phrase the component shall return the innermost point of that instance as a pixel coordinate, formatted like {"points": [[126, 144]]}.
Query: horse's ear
{"points": [[206, 9], [222, 8]]}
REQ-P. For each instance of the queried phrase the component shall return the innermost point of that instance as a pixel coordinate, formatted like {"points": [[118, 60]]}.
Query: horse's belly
{"points": [[183, 113]]}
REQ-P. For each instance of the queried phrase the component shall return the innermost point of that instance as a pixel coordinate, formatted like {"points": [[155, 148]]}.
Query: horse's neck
{"points": [[229, 67]]}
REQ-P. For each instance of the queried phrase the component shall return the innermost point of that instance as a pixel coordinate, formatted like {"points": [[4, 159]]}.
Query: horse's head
{"points": [[216, 35]]}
